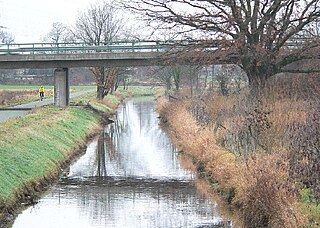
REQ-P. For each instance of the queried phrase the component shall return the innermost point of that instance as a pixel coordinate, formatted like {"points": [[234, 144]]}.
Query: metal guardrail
{"points": [[75, 48], [106, 47]]}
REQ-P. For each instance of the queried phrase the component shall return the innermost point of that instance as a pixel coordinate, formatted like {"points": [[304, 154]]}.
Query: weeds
{"points": [[304, 156], [256, 152]]}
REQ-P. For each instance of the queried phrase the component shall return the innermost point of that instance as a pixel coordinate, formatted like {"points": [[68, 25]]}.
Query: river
{"points": [[129, 176]]}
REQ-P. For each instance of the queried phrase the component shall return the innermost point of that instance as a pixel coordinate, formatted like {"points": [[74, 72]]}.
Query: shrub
{"points": [[267, 198], [304, 156]]}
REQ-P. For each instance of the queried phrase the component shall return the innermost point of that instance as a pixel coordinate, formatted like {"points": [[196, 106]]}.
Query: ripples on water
{"points": [[130, 176]]}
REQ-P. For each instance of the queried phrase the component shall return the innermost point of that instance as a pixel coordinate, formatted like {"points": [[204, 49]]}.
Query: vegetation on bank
{"points": [[33, 149], [109, 103], [260, 153], [11, 95]]}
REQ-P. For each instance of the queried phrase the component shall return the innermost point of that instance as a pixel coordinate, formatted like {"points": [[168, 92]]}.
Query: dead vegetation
{"points": [[261, 152], [15, 96], [12, 96]]}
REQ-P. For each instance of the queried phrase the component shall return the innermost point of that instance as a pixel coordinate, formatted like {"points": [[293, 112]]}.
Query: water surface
{"points": [[130, 176]]}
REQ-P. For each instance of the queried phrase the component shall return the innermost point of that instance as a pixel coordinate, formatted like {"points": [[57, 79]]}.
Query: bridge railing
{"points": [[80, 47], [110, 47]]}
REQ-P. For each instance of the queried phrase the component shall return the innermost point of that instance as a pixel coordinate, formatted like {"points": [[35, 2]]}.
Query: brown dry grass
{"points": [[8, 97], [259, 187]]}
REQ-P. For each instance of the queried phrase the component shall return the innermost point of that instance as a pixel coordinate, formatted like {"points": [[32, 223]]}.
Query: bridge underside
{"points": [[79, 60], [62, 63]]}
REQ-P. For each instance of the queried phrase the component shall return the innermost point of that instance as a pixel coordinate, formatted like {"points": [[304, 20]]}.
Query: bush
{"points": [[304, 156]]}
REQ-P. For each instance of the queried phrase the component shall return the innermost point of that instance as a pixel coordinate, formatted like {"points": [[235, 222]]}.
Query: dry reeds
{"points": [[257, 182]]}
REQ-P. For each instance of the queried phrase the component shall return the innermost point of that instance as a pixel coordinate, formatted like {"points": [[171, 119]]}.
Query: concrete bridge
{"points": [[63, 56]]}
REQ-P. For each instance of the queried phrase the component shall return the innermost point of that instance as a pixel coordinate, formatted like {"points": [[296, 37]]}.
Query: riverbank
{"points": [[35, 149], [250, 152]]}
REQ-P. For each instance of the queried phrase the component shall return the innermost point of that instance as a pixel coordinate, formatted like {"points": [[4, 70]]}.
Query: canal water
{"points": [[130, 176]]}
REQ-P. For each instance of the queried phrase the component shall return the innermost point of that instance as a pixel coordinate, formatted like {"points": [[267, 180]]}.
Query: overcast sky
{"points": [[30, 20]]}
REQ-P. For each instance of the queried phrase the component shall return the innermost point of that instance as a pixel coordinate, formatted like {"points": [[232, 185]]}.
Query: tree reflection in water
{"points": [[130, 176]]}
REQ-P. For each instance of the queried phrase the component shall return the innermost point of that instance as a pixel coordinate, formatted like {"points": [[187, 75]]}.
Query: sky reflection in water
{"points": [[130, 176]]}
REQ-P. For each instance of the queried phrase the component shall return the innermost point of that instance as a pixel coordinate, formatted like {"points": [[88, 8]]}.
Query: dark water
{"points": [[130, 176]]}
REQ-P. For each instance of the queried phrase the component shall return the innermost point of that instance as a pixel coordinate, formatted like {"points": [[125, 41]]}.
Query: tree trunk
{"points": [[100, 92], [100, 78], [257, 82], [168, 85], [258, 75]]}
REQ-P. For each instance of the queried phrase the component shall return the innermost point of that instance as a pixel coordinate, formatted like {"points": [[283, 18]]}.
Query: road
{"points": [[9, 114]]}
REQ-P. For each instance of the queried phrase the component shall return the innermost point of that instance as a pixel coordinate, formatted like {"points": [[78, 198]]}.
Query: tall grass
{"points": [[242, 145]]}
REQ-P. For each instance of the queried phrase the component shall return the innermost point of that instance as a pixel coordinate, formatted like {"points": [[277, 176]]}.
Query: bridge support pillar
{"points": [[61, 87]]}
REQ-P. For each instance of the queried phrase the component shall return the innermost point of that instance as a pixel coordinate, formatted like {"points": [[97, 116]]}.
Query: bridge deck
{"points": [[48, 55], [121, 53]]}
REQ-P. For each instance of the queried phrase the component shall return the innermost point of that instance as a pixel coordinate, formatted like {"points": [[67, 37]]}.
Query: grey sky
{"points": [[30, 20]]}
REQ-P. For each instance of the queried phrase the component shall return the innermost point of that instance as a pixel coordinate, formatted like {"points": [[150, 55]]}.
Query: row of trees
{"points": [[226, 79]]}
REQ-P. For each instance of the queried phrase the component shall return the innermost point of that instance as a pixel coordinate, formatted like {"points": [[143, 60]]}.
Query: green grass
{"points": [[101, 107], [22, 87], [113, 100], [310, 207], [33, 147], [80, 88]]}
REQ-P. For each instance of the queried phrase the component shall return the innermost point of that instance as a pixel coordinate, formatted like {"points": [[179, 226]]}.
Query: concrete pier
{"points": [[61, 87]]}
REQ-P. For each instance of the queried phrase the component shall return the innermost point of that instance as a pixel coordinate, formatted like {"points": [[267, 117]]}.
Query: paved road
{"points": [[5, 115]]}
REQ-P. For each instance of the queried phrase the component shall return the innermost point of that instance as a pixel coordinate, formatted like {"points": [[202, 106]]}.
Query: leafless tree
{"points": [[59, 33], [176, 72], [164, 75], [192, 76], [123, 77], [98, 24], [5, 37], [251, 33]]}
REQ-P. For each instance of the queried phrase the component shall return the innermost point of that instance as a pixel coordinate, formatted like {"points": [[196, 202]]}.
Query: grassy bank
{"points": [[33, 149]]}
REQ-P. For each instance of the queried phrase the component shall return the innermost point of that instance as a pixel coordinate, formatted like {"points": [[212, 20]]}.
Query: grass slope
{"points": [[34, 148]]}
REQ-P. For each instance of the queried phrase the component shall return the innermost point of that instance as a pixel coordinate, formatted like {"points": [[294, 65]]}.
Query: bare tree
{"points": [[123, 77], [223, 79], [98, 24], [191, 74], [5, 37], [59, 33], [252, 34], [176, 71]]}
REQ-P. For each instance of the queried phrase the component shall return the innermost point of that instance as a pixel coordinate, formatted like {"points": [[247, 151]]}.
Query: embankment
{"points": [[256, 187], [35, 149]]}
